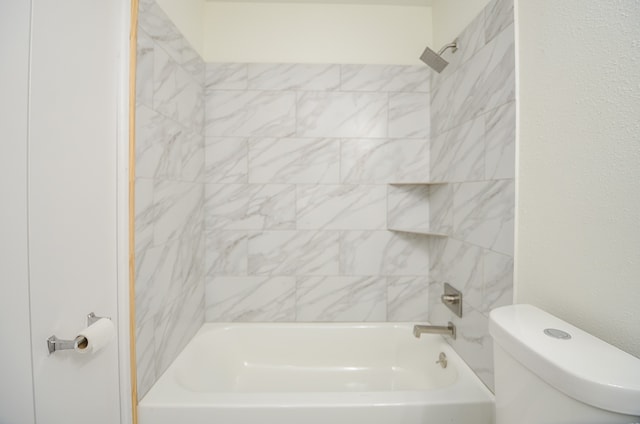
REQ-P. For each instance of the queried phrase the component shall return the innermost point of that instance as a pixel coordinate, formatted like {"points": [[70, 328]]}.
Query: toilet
{"points": [[549, 372]]}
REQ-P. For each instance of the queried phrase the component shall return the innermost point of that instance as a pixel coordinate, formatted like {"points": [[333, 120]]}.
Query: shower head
{"points": [[435, 60]]}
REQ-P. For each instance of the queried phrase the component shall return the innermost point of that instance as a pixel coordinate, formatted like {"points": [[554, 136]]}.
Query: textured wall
{"points": [[297, 161], [473, 149], [169, 194], [579, 171]]}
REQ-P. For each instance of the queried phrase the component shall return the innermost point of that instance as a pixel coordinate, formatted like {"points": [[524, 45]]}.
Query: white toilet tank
{"points": [[549, 372]]}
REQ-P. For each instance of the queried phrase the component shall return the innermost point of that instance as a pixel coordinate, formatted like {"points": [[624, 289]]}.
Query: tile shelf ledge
{"points": [[417, 231], [426, 183]]}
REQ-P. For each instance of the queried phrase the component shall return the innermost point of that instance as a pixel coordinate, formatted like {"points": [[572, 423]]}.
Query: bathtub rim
{"points": [[469, 389]]}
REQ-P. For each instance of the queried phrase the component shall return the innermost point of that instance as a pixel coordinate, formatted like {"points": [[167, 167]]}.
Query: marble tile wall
{"points": [[169, 194], [298, 158], [473, 148]]}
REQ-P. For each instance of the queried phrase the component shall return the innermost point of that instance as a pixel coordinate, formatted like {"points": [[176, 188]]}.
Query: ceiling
{"points": [[387, 2]]}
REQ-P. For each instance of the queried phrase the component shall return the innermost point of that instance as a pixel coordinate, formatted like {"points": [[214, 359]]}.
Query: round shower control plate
{"points": [[557, 334]]}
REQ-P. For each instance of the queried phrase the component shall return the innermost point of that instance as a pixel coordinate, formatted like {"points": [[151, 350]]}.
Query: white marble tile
{"points": [[145, 214], [294, 253], [341, 206], [482, 83], [250, 206], [251, 113], [483, 214], [407, 299], [191, 270], [192, 149], [498, 281], [409, 115], [158, 145], [381, 161], [408, 206], [498, 79], [178, 323], [459, 154], [153, 20], [461, 265], [441, 208], [155, 283], [385, 78], [144, 69], [498, 16], [340, 114], [178, 209], [501, 142], [145, 357], [383, 253], [226, 160], [226, 253], [470, 41], [176, 94], [341, 299], [308, 77], [251, 299], [473, 342], [226, 76], [294, 160]]}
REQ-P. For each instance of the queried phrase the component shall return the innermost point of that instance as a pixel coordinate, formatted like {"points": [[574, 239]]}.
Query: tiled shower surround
{"points": [[297, 162], [169, 194], [269, 185], [473, 146]]}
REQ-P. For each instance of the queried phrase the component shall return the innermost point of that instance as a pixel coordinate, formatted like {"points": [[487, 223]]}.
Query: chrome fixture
{"points": [[435, 60], [448, 330], [55, 344], [442, 360], [452, 298]]}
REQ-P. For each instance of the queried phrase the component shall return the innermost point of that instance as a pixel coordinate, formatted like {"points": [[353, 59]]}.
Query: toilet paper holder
{"points": [[54, 344]]}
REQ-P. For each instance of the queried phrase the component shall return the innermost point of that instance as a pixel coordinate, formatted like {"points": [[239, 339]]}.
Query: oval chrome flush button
{"points": [[557, 334]]}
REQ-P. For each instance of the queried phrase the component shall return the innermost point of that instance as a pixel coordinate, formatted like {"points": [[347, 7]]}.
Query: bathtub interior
{"points": [[377, 373], [261, 358]]}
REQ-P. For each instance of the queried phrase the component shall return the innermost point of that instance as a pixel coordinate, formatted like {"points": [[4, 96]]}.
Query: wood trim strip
{"points": [[133, 39]]}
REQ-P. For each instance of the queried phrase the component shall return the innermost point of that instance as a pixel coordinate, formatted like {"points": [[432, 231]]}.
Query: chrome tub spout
{"points": [[448, 330]]}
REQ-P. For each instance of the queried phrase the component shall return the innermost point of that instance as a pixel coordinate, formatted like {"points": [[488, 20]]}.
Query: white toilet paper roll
{"points": [[95, 337]]}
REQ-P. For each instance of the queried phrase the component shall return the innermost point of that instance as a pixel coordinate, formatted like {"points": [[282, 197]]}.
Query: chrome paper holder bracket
{"points": [[452, 298], [55, 344]]}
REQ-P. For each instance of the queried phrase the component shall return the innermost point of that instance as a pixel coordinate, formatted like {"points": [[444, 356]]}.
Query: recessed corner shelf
{"points": [[417, 231], [415, 197], [426, 183]]}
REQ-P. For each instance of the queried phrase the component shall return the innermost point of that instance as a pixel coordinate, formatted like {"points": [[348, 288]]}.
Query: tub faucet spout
{"points": [[448, 330]]}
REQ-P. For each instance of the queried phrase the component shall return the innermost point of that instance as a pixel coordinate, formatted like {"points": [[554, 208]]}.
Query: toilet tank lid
{"points": [[583, 366]]}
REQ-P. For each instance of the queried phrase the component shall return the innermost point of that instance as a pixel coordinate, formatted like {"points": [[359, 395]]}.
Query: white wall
{"points": [[61, 108], [315, 33], [450, 17], [188, 16], [578, 213], [16, 391]]}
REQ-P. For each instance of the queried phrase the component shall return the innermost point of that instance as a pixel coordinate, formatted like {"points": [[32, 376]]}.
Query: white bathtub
{"points": [[316, 374]]}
